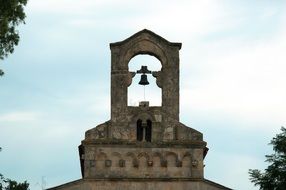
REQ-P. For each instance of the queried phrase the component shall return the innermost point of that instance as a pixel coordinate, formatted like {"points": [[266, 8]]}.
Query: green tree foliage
{"points": [[274, 176], [11, 15], [7, 184]]}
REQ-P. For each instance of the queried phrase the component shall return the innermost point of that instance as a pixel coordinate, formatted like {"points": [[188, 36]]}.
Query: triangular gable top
{"points": [[142, 32]]}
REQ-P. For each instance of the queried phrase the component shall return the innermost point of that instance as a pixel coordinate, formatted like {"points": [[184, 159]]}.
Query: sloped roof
{"points": [[81, 181], [144, 31], [216, 184]]}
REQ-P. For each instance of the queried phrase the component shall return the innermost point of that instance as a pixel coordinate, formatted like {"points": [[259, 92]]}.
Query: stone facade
{"points": [[143, 147], [151, 184]]}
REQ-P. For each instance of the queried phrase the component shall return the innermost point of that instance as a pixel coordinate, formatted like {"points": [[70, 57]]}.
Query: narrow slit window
{"points": [[139, 130], [148, 132]]}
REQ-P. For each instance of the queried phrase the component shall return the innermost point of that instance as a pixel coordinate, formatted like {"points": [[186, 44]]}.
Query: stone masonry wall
{"points": [[118, 162]]}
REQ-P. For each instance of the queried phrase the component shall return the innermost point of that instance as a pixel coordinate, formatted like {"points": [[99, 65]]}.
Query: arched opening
{"points": [[137, 93], [148, 132], [101, 161], [144, 130], [139, 130]]}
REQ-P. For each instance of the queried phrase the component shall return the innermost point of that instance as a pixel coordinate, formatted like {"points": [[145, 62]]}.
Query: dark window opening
{"points": [[144, 131], [139, 130], [148, 132]]}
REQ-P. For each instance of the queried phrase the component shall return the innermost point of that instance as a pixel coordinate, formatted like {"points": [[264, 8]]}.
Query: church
{"points": [[143, 147]]}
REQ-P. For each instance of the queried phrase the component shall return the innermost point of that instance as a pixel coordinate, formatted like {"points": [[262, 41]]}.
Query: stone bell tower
{"points": [[143, 147]]}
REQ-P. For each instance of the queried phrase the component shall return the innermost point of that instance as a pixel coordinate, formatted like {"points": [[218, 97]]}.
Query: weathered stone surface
{"points": [[159, 162], [143, 148], [141, 185]]}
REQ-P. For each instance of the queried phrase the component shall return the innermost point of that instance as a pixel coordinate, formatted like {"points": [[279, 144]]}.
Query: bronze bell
{"points": [[143, 80]]}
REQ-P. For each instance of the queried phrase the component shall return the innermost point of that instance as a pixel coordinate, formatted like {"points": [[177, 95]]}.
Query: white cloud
{"points": [[164, 17], [24, 116], [232, 169], [182, 18], [90, 97], [222, 72], [67, 6], [243, 78]]}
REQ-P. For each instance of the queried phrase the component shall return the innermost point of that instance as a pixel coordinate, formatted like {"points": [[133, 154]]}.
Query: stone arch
{"points": [[101, 156], [131, 160], [145, 47], [144, 42], [187, 160], [158, 56], [153, 91], [144, 154], [157, 159], [143, 116], [115, 158], [100, 160], [143, 159], [171, 158], [137, 121]]}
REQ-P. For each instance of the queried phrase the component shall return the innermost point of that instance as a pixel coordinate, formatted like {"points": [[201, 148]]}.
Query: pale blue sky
{"points": [[57, 82]]}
